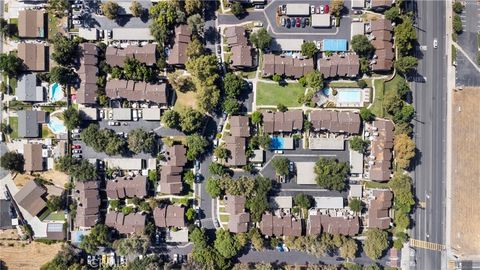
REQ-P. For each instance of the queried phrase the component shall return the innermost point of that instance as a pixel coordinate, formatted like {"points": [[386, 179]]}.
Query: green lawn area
{"points": [[377, 106], [13, 85], [14, 126], [52, 25], [45, 214], [274, 94], [224, 218], [372, 184], [59, 216], [46, 132], [343, 84], [454, 53]]}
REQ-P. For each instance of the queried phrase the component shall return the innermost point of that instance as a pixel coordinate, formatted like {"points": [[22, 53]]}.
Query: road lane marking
{"points": [[426, 245]]}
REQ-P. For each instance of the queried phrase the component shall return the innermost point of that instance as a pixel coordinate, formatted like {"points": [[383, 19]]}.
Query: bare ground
{"points": [[26, 256], [465, 216]]}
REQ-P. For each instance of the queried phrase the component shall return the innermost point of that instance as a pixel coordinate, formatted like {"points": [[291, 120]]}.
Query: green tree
{"points": [[261, 39], [277, 78], [98, 236], [61, 75], [233, 85], [10, 64], [406, 63], [403, 128], [179, 82], [366, 115], [71, 118], [349, 248], [110, 9], [12, 161], [191, 120], [171, 119], [141, 141], [196, 146], [457, 7], [134, 70], [65, 257], [374, 266], [257, 239], [257, 201], [309, 49], [57, 7], [135, 245], [204, 69], [403, 89], [358, 144], [221, 153], [392, 13], [237, 9], [364, 65], [401, 185], [231, 106], [362, 46], [194, 50], [164, 16], [257, 118], [404, 148], [314, 80], [65, 50], [114, 204], [55, 203], [281, 107], [331, 174], [375, 243], [208, 98], [303, 201], [405, 115], [136, 9], [393, 104], [217, 169], [457, 24], [213, 188], [355, 205], [405, 36], [196, 24], [336, 7], [193, 6], [362, 83], [226, 244], [280, 165]]}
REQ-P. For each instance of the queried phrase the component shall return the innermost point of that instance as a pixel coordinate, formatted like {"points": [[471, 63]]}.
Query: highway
{"points": [[430, 100]]}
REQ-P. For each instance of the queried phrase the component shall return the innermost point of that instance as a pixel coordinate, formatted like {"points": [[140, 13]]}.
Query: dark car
{"points": [[307, 22], [288, 23], [298, 22], [304, 22], [291, 166], [339, 259]]}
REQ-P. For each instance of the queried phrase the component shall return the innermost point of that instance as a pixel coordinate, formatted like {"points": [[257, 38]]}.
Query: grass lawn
{"points": [[224, 218], [59, 216], [248, 74], [377, 107], [13, 85], [14, 126], [45, 214], [274, 94], [343, 84], [185, 100], [46, 132], [372, 184]]}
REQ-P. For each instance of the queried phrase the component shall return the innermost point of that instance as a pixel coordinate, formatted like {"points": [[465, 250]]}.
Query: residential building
{"points": [[147, 54], [126, 224], [87, 92], [381, 5], [33, 55], [169, 216], [29, 123], [241, 51], [88, 202], [287, 225], [286, 65], [381, 37], [32, 154], [127, 187], [318, 223], [342, 65], [32, 23], [171, 174], [56, 231], [137, 91], [31, 197], [28, 89], [380, 157], [378, 210], [235, 36], [178, 53], [236, 142], [283, 122], [336, 121], [239, 219]]}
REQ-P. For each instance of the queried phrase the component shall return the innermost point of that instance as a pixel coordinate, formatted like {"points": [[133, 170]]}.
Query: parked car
{"points": [[76, 130], [76, 146], [298, 22], [197, 165], [258, 24], [339, 259], [140, 115], [279, 10], [110, 114], [288, 23], [77, 151], [259, 6], [111, 123], [175, 257], [321, 9], [307, 22], [135, 115], [284, 9], [317, 10], [76, 22], [219, 49], [304, 22], [283, 21], [198, 178], [102, 114], [312, 9], [357, 12], [278, 151], [77, 155], [326, 9], [291, 166]]}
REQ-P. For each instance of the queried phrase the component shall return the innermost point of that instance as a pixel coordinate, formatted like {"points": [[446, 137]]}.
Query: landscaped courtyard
{"points": [[272, 94]]}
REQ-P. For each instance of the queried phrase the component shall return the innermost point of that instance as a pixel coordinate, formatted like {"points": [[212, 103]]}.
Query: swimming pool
{"points": [[277, 143], [349, 95], [56, 92], [56, 126], [327, 91]]}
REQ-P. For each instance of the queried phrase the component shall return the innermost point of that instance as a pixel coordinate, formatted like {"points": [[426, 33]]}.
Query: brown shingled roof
{"points": [[144, 54], [122, 187], [178, 54], [283, 121], [169, 216], [30, 197], [126, 224], [239, 126], [280, 226], [33, 157], [286, 65], [31, 23], [378, 211], [333, 121], [88, 202], [333, 225], [33, 55], [381, 149], [126, 89], [237, 147]]}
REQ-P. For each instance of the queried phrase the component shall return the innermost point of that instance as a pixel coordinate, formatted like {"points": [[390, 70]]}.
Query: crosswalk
{"points": [[426, 245]]}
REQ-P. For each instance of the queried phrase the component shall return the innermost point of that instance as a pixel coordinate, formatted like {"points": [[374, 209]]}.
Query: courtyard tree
{"points": [[314, 80], [392, 13], [135, 244], [12, 161], [405, 36], [196, 146], [231, 106], [375, 243], [110, 9], [195, 49], [336, 7], [309, 49], [366, 114], [71, 118], [171, 119], [362, 46], [406, 63], [213, 187], [163, 16], [10, 64], [204, 69], [261, 39], [141, 141], [303, 201], [226, 244], [136, 9], [349, 248], [280, 164], [233, 85], [64, 49], [57, 7], [180, 82], [61, 75], [97, 237], [256, 238], [193, 6], [355, 205], [208, 97], [195, 24], [237, 8], [191, 120], [358, 144], [331, 174], [257, 118], [221, 153], [404, 148]]}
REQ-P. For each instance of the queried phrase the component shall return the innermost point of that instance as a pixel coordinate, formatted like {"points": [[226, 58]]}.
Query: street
{"points": [[430, 100]]}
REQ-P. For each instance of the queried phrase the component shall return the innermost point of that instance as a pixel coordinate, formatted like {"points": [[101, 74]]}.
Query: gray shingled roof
{"points": [[27, 89]]}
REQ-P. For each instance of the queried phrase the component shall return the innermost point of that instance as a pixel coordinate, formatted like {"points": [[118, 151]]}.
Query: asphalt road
{"points": [[430, 99]]}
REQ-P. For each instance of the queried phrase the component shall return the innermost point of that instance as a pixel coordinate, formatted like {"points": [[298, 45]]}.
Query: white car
{"points": [[321, 9], [435, 43], [258, 24], [312, 9], [102, 114], [111, 123]]}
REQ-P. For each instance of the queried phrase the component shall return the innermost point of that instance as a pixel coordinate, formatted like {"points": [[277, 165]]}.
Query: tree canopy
{"points": [[163, 15], [196, 146], [79, 169], [171, 119], [406, 63], [195, 49], [98, 236], [10, 64], [331, 174], [61, 75], [110, 9], [314, 79], [355, 205], [71, 118], [358, 144], [135, 244], [64, 50], [136, 9], [193, 6], [233, 85], [362, 46], [336, 7], [392, 13], [226, 244], [261, 39], [280, 164], [191, 120], [375, 243], [57, 7], [141, 141], [181, 83], [12, 161], [104, 140], [303, 201], [237, 8], [405, 36], [309, 49], [366, 115], [404, 148], [196, 24]]}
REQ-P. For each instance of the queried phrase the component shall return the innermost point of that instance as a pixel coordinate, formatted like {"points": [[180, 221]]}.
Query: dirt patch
{"points": [[27, 256], [21, 179], [465, 217], [186, 100], [10, 234], [58, 178]]}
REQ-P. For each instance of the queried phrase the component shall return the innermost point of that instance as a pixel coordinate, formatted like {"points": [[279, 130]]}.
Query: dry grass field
{"points": [[26, 256], [465, 217]]}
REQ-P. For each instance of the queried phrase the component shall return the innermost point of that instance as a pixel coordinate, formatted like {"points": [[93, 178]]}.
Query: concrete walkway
{"points": [[466, 56]]}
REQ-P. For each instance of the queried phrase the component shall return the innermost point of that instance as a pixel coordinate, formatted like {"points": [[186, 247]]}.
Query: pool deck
{"points": [[364, 97]]}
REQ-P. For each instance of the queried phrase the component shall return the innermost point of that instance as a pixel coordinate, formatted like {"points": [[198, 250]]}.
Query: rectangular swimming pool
{"points": [[352, 95], [280, 143]]}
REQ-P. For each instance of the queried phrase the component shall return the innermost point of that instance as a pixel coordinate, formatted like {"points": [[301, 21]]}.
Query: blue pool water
{"points": [[327, 91], [56, 93], [56, 126], [349, 96], [277, 143]]}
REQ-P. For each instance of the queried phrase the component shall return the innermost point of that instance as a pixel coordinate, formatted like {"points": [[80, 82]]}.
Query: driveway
{"points": [[155, 126]]}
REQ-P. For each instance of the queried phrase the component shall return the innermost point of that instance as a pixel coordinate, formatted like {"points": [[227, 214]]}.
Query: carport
{"points": [[321, 20], [298, 10]]}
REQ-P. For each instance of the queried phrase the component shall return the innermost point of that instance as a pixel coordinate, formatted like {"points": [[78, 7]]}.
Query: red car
{"points": [[325, 9], [76, 146], [298, 22]]}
